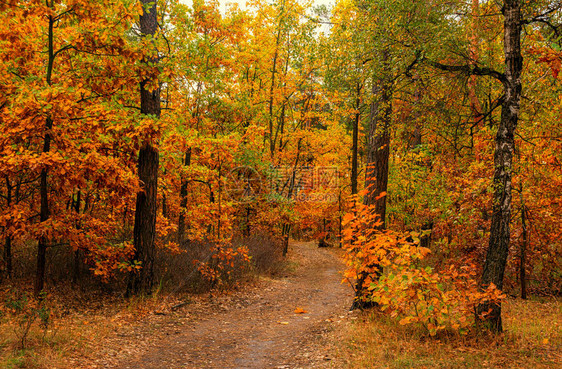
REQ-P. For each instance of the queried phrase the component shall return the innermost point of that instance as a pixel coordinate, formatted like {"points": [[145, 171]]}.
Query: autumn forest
{"points": [[161, 160]]}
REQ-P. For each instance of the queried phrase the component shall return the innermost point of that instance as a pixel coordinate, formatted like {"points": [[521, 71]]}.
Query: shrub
{"points": [[408, 289]]}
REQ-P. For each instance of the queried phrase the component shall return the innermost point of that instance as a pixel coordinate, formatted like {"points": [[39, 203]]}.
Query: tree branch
{"points": [[469, 70]]}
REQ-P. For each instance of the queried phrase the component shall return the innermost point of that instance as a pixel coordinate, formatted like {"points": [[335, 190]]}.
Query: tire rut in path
{"points": [[261, 330]]}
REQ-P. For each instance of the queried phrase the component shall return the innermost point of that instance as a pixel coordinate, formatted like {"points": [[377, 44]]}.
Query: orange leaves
{"points": [[382, 194], [224, 260], [408, 289], [88, 159], [407, 320], [347, 218], [549, 56], [299, 310]]}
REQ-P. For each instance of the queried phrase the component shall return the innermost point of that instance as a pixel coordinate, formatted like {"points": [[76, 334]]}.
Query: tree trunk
{"points": [[475, 107], [496, 257], [144, 230], [247, 227], [376, 173], [8, 256], [286, 228], [77, 256], [8, 239], [285, 233], [378, 149], [272, 89], [355, 148], [44, 215], [44, 212], [183, 197], [146, 206], [523, 251]]}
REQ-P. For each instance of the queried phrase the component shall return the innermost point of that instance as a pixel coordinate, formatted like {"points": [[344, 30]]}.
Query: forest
{"points": [[161, 158]]}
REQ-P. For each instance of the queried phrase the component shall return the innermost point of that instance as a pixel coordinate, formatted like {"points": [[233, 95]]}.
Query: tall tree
{"points": [[44, 212], [496, 257], [144, 231], [355, 140], [378, 141]]}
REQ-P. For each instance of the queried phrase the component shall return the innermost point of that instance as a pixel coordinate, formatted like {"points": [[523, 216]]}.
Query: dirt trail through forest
{"points": [[257, 328]]}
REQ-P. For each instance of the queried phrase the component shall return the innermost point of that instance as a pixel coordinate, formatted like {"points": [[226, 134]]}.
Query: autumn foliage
{"points": [[269, 119], [402, 282]]}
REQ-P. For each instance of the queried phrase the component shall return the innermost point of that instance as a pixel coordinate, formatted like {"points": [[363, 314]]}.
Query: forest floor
{"points": [[298, 319], [289, 322]]}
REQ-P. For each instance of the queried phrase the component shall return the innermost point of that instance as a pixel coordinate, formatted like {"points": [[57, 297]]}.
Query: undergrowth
{"points": [[533, 339]]}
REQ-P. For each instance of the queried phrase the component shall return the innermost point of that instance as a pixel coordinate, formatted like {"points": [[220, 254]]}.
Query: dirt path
{"points": [[257, 328]]}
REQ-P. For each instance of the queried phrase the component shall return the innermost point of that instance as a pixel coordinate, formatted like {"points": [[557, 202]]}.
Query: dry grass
{"points": [[77, 321], [533, 339]]}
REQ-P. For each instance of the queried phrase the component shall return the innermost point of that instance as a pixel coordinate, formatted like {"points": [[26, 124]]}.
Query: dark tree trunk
{"points": [[248, 226], [285, 233], [415, 139], [77, 256], [286, 228], [8, 256], [146, 206], [272, 88], [522, 256], [340, 221], [44, 212], [475, 107], [496, 257], [144, 230], [378, 153], [378, 150], [355, 148], [8, 239], [44, 215], [183, 197]]}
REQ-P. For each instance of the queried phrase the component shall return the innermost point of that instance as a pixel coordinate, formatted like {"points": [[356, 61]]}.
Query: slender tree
{"points": [[44, 212], [496, 257]]}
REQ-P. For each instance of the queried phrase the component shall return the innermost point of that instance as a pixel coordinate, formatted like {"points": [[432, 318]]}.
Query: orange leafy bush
{"points": [[222, 262], [407, 288]]}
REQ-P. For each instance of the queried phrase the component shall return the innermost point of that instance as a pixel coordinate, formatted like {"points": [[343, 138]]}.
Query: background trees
{"points": [[226, 125]]}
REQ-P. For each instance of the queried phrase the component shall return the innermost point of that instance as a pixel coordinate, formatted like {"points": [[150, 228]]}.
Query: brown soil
{"points": [[253, 328]]}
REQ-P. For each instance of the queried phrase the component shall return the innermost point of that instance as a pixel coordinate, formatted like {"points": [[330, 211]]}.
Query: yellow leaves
{"points": [[407, 320], [299, 310]]}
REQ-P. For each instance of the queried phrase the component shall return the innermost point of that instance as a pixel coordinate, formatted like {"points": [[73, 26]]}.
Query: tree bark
{"points": [[496, 257], [44, 212], [272, 87], [146, 205], [286, 228], [376, 173], [378, 149], [475, 107], [77, 257], [523, 251], [355, 148], [183, 197], [8, 239]]}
